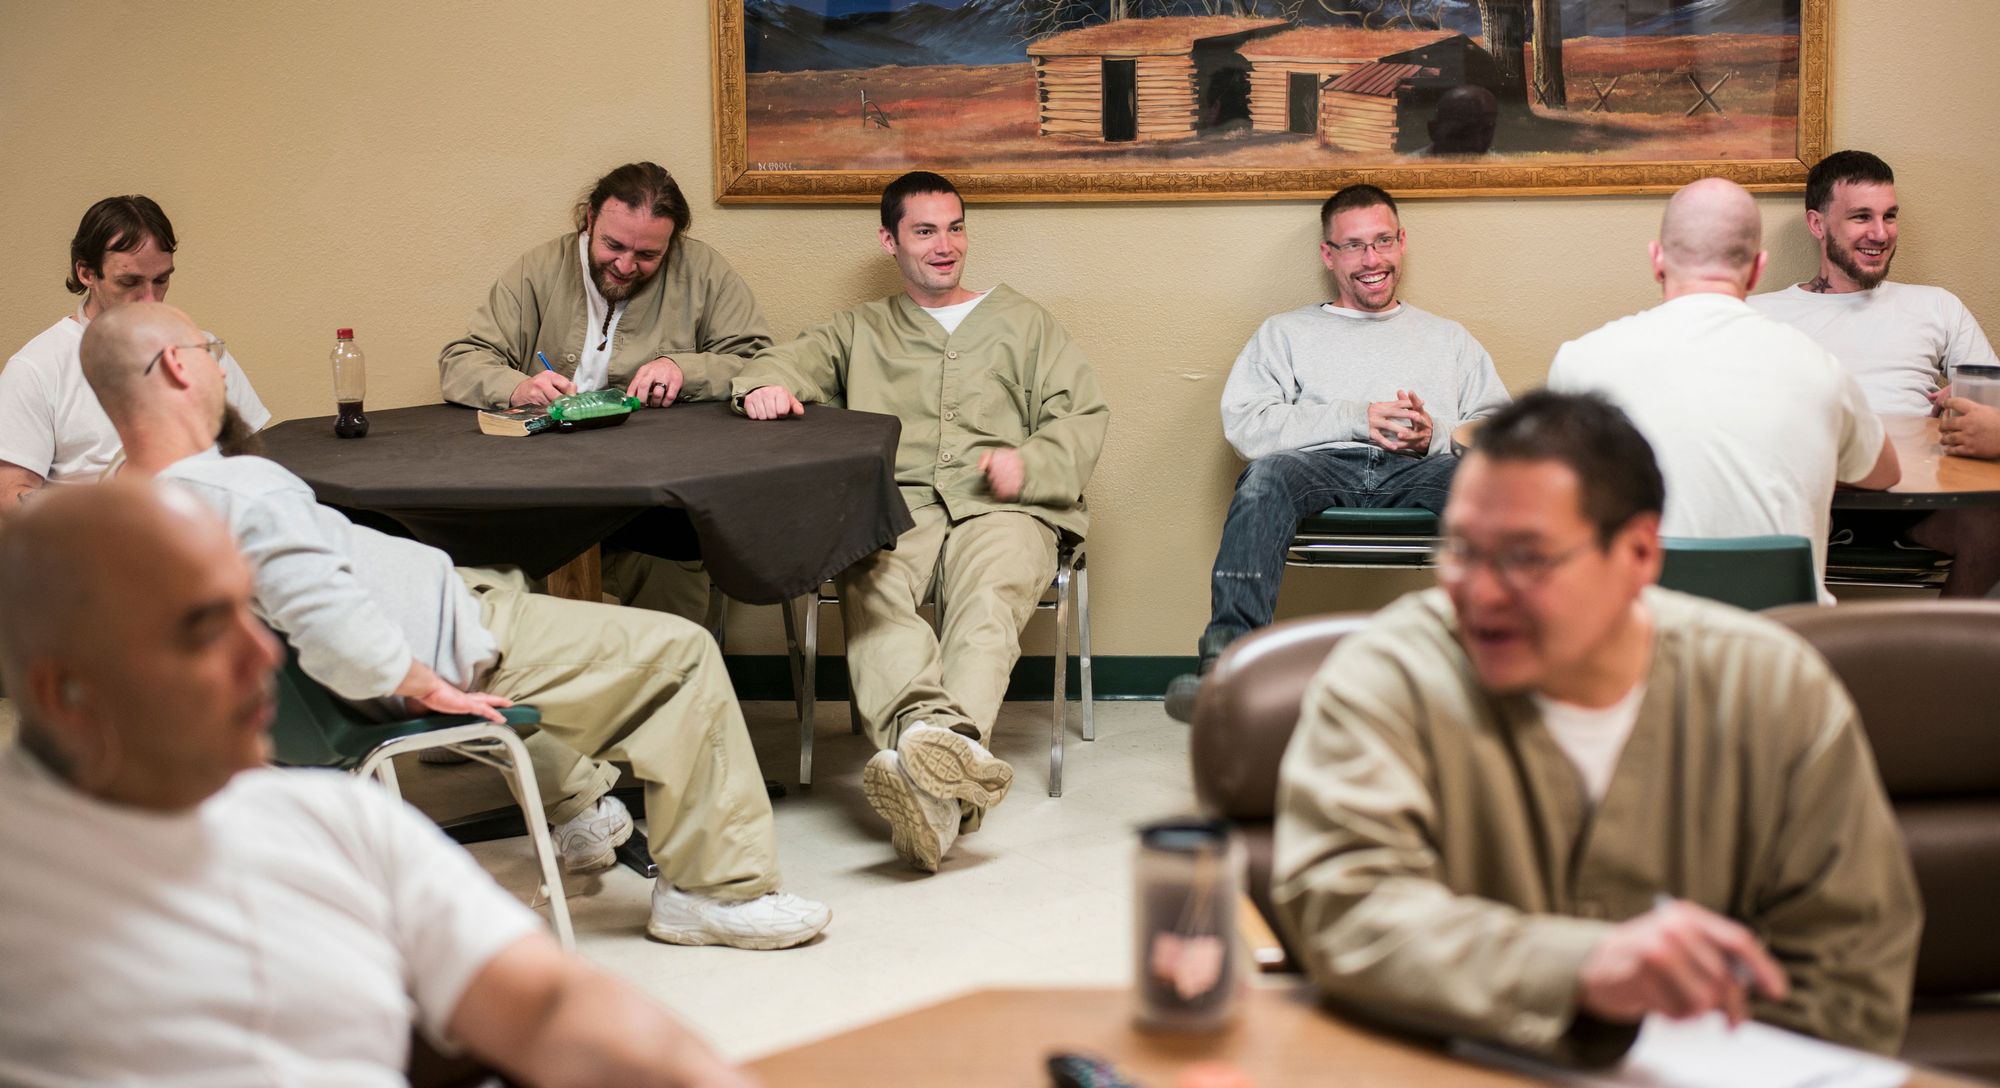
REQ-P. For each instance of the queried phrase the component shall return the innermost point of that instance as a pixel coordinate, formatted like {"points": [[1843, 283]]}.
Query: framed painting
{"points": [[827, 100]]}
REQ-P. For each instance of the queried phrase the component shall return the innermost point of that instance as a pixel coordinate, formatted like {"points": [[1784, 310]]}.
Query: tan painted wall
{"points": [[375, 163]]}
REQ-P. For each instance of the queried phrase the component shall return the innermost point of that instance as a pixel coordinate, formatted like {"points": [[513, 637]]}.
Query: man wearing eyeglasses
{"points": [[52, 429], [1548, 798], [1753, 421], [1346, 403]]}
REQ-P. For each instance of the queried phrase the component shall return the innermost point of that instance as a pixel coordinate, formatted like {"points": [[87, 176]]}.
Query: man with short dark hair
{"points": [[51, 427], [1548, 798], [390, 624], [1753, 422], [1901, 341], [1346, 403], [173, 913], [626, 301], [1002, 425]]}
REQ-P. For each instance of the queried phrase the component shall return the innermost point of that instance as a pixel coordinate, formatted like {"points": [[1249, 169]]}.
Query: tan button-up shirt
{"points": [[1440, 864], [1009, 377], [696, 310]]}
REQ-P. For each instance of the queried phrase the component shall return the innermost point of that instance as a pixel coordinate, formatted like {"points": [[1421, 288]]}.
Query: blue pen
{"points": [[545, 362]]}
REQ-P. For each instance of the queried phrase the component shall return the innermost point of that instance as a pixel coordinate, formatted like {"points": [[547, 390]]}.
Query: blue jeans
{"points": [[1276, 491]]}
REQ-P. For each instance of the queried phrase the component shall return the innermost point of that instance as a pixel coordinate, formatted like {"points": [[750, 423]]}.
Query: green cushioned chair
{"points": [[1751, 572], [313, 728], [1346, 536]]}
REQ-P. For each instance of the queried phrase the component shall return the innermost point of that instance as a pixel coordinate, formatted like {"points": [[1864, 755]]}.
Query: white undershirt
{"points": [[601, 334], [1592, 737], [1366, 315], [954, 315]]}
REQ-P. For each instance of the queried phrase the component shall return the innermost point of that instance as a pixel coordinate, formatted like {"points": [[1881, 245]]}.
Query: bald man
{"points": [[174, 914], [384, 621], [1753, 422]]}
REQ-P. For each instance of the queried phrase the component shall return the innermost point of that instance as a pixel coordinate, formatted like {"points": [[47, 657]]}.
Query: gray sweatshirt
{"points": [[1305, 380], [358, 605]]}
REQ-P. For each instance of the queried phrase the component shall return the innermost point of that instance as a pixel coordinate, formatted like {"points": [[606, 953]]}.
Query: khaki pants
{"points": [[649, 689], [662, 585], [990, 569]]}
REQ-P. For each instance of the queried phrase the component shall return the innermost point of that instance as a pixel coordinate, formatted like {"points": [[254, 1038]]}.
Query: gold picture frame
{"points": [[837, 177]]}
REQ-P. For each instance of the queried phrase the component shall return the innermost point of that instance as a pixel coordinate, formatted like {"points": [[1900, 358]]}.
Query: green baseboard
{"points": [[769, 676]]}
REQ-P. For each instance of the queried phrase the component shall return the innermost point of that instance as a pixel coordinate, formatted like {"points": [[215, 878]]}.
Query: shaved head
{"points": [[122, 342], [1711, 230], [127, 638]]}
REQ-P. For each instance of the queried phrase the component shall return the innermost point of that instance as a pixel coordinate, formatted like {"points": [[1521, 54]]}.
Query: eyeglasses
{"points": [[1519, 569], [213, 347], [1383, 244]]}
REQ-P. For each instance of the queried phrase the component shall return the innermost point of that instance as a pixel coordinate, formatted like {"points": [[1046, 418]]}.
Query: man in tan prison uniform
{"points": [[626, 301], [383, 621], [1002, 424], [1494, 784]]}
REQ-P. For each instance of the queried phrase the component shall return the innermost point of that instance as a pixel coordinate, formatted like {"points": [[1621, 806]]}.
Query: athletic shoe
{"points": [[1182, 692], [953, 766], [921, 826], [772, 920], [590, 841]]}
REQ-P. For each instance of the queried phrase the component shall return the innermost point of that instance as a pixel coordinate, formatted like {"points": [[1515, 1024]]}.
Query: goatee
{"points": [[236, 438]]}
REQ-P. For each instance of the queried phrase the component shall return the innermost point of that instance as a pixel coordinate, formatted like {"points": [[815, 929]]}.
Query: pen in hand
{"points": [[545, 362]]}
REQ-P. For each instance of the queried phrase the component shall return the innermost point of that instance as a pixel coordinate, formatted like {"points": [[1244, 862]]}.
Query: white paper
{"points": [[1706, 1053]]}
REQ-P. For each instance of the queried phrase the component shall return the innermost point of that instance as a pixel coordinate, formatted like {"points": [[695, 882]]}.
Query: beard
{"points": [[611, 289], [235, 437], [1842, 257]]}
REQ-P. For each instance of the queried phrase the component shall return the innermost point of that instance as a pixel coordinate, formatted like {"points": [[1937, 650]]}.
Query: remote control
{"points": [[1084, 1071]]}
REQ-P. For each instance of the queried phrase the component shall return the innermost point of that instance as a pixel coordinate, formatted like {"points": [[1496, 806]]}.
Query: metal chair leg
{"points": [[1083, 648], [1061, 722], [808, 686], [529, 793], [385, 773], [795, 661], [712, 619]]}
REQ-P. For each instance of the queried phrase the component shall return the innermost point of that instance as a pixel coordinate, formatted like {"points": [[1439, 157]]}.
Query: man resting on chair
{"points": [[171, 914], [374, 617]]}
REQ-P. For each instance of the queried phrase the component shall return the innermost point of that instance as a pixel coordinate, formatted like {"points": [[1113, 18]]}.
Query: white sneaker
{"points": [[922, 826], [772, 920], [590, 841], [949, 765]]}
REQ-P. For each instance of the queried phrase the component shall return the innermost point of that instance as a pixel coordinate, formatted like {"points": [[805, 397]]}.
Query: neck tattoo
{"points": [[1820, 284]]}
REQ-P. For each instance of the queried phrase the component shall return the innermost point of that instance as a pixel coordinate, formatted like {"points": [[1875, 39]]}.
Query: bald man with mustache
{"points": [[176, 914], [1752, 421]]}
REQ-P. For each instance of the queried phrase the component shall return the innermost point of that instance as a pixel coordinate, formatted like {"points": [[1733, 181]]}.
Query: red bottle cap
{"points": [[343, 334]]}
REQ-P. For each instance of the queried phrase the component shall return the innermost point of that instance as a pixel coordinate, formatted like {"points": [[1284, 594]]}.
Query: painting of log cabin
{"points": [[820, 99]]}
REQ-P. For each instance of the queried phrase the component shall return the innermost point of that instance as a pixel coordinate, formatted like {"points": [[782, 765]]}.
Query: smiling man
{"points": [[1002, 425], [1902, 342], [626, 301], [52, 429], [1548, 798], [1345, 403]]}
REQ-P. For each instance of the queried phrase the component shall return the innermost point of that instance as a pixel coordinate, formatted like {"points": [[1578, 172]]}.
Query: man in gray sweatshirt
{"points": [[1347, 403], [375, 617]]}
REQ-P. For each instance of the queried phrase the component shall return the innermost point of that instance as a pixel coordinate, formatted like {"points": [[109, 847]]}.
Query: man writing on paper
{"points": [[1548, 798], [626, 301]]}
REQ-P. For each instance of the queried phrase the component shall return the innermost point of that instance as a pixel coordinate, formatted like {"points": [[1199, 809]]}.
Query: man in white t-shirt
{"points": [[1752, 421], [51, 427], [1901, 341], [173, 914]]}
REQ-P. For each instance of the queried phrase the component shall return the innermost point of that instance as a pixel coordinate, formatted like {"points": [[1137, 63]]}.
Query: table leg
{"points": [[580, 579]]}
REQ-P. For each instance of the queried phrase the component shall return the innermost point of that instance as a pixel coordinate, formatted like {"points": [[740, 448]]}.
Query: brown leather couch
{"points": [[1925, 675], [1242, 720]]}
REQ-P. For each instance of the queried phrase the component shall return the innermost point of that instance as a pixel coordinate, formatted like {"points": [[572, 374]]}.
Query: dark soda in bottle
{"points": [[350, 386]]}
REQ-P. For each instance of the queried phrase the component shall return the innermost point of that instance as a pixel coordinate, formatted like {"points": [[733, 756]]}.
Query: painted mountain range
{"points": [[803, 35]]}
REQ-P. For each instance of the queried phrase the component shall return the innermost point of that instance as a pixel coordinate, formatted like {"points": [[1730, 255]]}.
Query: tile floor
{"points": [[1038, 897]]}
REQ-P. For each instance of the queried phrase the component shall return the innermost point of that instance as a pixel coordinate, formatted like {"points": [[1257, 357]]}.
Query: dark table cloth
{"points": [[773, 509]]}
